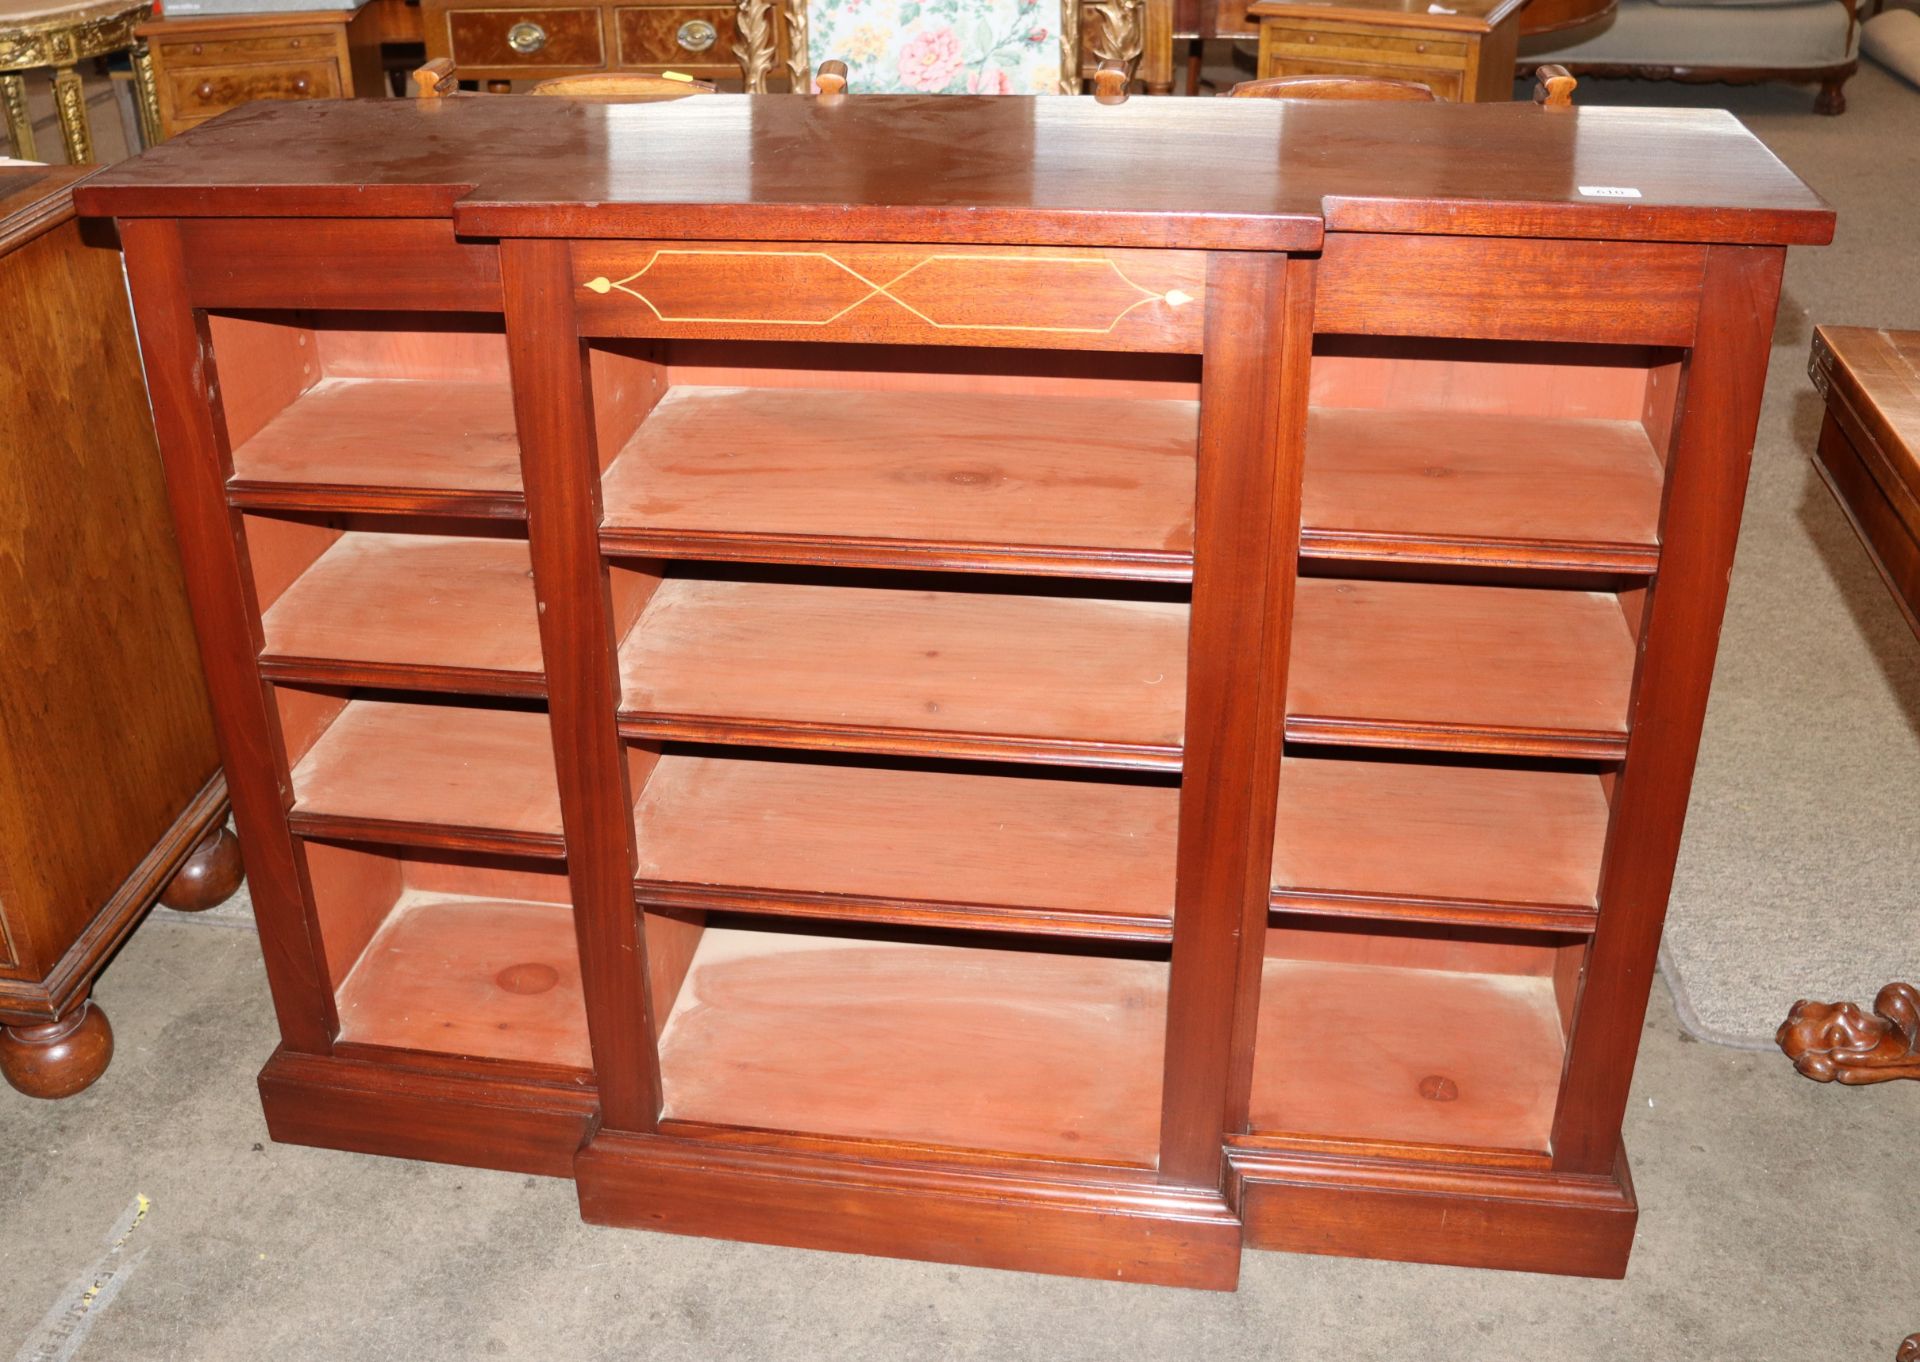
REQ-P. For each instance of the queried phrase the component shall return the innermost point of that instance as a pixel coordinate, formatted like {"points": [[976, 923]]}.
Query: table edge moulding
{"points": [[864, 823]]}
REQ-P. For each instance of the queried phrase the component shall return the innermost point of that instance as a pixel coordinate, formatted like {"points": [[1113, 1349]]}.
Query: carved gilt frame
{"points": [[1118, 34]]}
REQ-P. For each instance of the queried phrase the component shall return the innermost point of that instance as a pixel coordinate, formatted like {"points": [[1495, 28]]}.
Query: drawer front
{"points": [[676, 36], [526, 37], [1365, 45], [298, 45], [1444, 84], [1032, 296], [201, 92]]}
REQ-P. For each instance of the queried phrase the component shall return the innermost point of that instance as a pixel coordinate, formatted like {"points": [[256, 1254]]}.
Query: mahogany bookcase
{"points": [[1005, 681]]}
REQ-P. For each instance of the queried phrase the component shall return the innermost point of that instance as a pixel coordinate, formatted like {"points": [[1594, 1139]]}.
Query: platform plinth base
{"points": [[1031, 1223], [476, 1122], [58, 1058], [1521, 1221]]}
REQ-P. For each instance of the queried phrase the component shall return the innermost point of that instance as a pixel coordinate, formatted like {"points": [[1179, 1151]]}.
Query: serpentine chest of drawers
{"points": [[1007, 681]]}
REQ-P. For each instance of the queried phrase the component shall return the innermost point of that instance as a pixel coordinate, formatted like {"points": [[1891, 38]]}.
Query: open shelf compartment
{"points": [[992, 849], [1416, 1037], [1050, 463], [472, 957], [1035, 1054]]}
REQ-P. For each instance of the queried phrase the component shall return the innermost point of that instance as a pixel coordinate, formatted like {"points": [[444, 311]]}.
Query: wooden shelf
{"points": [[432, 775], [1486, 489], [1053, 1056], [1390, 839], [1501, 670], [1343, 1051], [992, 852], [1081, 486], [483, 978], [1023, 678], [412, 445], [413, 611]]}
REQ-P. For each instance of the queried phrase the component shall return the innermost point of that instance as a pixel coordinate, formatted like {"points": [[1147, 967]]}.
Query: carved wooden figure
{"points": [[1837, 1042]]}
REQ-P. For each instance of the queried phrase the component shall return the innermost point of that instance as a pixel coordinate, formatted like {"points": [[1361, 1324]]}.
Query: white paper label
{"points": [[1608, 191]]}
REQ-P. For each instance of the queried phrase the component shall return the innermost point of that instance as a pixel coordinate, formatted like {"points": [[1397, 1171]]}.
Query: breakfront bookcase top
{"points": [[1009, 681]]}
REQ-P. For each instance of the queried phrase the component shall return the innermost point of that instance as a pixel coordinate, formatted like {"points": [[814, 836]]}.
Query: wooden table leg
{"points": [[1837, 1042], [71, 103], [13, 99]]}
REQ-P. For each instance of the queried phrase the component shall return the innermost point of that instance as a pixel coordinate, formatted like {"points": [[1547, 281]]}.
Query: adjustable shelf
{"points": [[432, 775], [372, 444], [908, 846], [1048, 679], [1480, 488], [1032, 1053], [1460, 668], [1462, 844], [1081, 486], [420, 612]]}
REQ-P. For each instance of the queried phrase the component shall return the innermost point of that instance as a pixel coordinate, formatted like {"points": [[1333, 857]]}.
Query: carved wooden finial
{"points": [[434, 80], [1553, 86], [1110, 82], [832, 78], [1838, 1043]]}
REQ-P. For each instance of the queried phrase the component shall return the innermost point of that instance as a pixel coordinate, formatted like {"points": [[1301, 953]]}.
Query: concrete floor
{"points": [[1781, 1223]]}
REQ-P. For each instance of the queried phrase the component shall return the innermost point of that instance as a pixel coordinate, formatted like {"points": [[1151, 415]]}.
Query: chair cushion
{"points": [[1892, 38], [939, 46], [1809, 33]]}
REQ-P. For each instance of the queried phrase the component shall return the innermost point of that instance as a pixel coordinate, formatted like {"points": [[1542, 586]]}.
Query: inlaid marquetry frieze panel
{"points": [[1046, 297]]}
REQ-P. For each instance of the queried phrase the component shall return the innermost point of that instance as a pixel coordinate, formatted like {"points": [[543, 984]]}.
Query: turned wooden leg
{"points": [[1838, 1043], [1832, 98], [1909, 1349], [1196, 56], [60, 1058], [13, 102], [207, 877]]}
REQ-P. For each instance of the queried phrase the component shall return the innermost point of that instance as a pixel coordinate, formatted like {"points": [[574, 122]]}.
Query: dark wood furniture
{"points": [[1043, 702], [204, 65], [110, 786], [1462, 51]]}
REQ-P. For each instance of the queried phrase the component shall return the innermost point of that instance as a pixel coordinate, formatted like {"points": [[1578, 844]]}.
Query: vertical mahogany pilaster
{"points": [[1699, 525], [1253, 400], [553, 408], [185, 391]]}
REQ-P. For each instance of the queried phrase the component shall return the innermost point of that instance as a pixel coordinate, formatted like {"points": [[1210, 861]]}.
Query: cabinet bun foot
{"points": [[207, 877], [60, 1058]]}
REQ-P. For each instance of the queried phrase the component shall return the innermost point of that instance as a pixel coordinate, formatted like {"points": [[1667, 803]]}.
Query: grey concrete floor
{"points": [[1780, 1223]]}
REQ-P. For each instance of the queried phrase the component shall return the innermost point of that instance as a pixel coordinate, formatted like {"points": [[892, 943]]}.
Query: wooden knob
{"points": [[831, 79], [1419, 47], [1553, 87], [196, 49], [300, 85], [206, 89], [293, 42], [1110, 82], [1313, 37]]}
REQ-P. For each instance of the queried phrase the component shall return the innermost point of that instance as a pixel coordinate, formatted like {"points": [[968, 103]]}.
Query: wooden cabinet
{"points": [[488, 41], [1462, 52], [110, 786], [1140, 706], [205, 65]]}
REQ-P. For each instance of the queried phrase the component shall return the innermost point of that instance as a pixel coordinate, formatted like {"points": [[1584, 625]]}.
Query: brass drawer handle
{"points": [[696, 35], [526, 38]]}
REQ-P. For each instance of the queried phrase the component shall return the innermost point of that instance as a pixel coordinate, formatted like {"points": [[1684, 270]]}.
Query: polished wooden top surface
{"points": [[1201, 173], [34, 198], [1471, 16]]}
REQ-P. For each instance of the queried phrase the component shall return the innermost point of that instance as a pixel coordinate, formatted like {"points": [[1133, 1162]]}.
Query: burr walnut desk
{"points": [[1007, 681], [110, 786]]}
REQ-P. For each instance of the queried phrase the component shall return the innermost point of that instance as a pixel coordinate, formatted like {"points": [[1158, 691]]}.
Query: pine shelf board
{"points": [[1029, 1053], [1034, 678], [1083, 486], [476, 977], [1481, 488], [417, 611], [1400, 840], [906, 846], [1343, 1050], [432, 775], [387, 444], [1503, 670]]}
